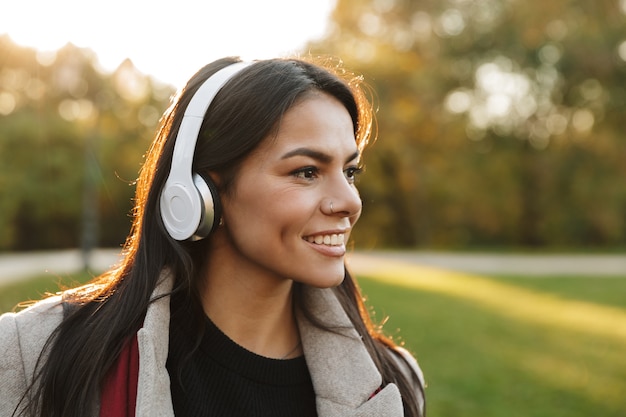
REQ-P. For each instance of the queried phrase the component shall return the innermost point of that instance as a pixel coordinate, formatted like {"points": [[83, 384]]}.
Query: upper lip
{"points": [[329, 232]]}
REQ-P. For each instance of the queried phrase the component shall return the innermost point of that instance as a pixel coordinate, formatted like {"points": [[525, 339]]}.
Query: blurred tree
{"points": [[500, 121], [63, 126]]}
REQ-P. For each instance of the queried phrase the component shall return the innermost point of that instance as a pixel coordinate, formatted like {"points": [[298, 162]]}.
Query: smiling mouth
{"points": [[328, 240]]}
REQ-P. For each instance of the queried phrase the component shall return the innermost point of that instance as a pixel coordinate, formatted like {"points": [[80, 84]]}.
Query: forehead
{"points": [[318, 121]]}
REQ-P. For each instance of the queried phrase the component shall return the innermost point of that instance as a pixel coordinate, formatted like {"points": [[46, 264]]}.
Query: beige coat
{"points": [[342, 371]]}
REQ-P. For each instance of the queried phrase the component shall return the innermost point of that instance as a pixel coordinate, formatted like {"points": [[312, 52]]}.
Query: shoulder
{"points": [[408, 364], [26, 332], [22, 337], [410, 368], [39, 317]]}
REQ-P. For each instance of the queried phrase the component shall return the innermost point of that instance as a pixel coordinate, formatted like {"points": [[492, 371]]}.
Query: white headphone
{"points": [[190, 206]]}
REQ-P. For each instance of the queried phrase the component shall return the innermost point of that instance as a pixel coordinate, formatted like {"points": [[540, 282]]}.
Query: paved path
{"points": [[17, 266], [14, 267], [513, 264]]}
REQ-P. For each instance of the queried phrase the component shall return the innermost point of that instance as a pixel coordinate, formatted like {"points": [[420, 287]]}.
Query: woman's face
{"points": [[277, 218]]}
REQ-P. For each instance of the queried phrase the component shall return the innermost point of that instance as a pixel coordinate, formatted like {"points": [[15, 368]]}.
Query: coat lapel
{"points": [[153, 395], [343, 373]]}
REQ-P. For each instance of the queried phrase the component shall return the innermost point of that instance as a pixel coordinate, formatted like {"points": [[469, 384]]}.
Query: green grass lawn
{"points": [[522, 356], [35, 288], [491, 346]]}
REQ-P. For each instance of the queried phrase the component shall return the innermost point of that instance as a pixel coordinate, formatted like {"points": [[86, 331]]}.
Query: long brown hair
{"points": [[102, 315]]}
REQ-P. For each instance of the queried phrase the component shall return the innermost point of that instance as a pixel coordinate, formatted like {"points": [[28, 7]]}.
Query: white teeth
{"points": [[329, 240]]}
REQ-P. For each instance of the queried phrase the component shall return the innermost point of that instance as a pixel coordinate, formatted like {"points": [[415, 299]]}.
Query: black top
{"points": [[221, 378]]}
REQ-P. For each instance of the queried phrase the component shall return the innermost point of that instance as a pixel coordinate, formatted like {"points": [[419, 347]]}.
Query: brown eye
{"points": [[352, 174], [306, 173]]}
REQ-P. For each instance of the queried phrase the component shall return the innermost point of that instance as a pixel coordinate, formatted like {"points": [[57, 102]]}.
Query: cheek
{"points": [[357, 216], [263, 211]]}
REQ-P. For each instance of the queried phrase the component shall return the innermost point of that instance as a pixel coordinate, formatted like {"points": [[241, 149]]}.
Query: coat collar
{"points": [[154, 398], [343, 373]]}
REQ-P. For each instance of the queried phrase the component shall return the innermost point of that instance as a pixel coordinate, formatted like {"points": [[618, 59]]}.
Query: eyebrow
{"points": [[317, 155]]}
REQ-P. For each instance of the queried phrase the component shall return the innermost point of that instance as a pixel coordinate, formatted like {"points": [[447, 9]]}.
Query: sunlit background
{"points": [[500, 123], [494, 221], [169, 40]]}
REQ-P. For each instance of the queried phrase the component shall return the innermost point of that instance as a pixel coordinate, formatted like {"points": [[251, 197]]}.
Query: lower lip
{"points": [[332, 251]]}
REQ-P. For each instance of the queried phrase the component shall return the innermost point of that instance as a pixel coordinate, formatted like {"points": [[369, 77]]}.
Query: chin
{"points": [[330, 280]]}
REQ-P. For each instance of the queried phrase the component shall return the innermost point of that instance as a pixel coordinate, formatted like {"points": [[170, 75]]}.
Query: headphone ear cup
{"points": [[180, 209], [210, 207]]}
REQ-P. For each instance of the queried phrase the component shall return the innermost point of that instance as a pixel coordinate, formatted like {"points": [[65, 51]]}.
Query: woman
{"points": [[232, 298]]}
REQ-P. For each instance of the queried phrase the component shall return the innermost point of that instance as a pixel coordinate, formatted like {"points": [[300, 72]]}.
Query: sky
{"points": [[168, 40]]}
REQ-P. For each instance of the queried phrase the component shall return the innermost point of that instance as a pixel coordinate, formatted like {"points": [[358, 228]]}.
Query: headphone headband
{"points": [[194, 115], [182, 207]]}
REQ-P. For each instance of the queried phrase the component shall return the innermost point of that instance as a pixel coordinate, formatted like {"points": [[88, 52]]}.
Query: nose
{"points": [[342, 199]]}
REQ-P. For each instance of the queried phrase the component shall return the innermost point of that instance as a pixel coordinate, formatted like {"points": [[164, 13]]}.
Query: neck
{"points": [[254, 311]]}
